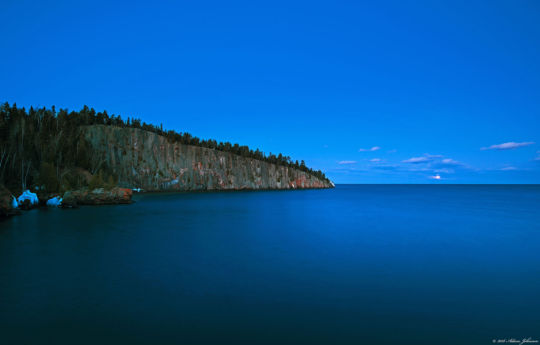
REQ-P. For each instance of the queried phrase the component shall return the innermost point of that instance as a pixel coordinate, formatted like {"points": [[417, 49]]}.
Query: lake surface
{"points": [[359, 264]]}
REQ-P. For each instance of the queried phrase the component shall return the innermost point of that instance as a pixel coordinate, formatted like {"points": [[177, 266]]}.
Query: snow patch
{"points": [[54, 202], [28, 195], [171, 183]]}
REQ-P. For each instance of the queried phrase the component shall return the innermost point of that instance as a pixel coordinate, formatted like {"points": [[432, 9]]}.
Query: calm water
{"points": [[354, 265]]}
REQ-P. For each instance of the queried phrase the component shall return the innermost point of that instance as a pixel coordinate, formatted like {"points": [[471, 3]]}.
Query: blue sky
{"points": [[373, 92]]}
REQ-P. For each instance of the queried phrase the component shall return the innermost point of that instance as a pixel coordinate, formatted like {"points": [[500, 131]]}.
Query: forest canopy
{"points": [[46, 147]]}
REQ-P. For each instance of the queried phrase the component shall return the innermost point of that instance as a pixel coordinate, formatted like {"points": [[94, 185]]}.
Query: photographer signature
{"points": [[515, 341]]}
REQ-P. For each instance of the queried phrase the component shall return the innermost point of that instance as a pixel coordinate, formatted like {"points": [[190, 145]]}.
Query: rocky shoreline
{"points": [[9, 205], [98, 196]]}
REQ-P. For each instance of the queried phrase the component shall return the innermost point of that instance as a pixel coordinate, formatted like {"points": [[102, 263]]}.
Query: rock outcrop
{"points": [[6, 202], [143, 159], [98, 196]]}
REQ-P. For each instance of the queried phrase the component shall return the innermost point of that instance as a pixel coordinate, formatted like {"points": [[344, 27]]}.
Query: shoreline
{"points": [[102, 197]]}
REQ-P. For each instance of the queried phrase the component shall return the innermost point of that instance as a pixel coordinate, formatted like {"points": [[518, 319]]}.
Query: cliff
{"points": [[142, 159]]}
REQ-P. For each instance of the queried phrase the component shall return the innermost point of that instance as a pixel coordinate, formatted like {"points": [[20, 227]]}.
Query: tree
{"points": [[96, 181], [33, 141], [111, 182], [47, 177]]}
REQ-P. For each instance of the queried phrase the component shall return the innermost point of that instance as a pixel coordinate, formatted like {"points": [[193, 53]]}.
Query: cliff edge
{"points": [[142, 159]]}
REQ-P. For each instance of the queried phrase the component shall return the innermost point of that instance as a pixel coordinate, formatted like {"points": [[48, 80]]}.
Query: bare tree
{"points": [[25, 169], [4, 160]]}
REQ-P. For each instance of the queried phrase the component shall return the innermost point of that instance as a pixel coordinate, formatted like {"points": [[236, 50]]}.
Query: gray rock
{"points": [[146, 160]]}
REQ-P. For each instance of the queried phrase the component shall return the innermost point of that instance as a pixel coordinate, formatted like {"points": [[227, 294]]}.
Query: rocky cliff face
{"points": [[146, 160]]}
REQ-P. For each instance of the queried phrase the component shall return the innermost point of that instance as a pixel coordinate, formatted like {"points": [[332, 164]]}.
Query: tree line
{"points": [[46, 147]]}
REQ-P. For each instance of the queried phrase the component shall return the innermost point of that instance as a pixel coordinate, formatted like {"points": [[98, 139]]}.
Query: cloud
{"points": [[508, 168], [444, 170], [426, 158], [385, 167], [448, 165], [433, 163], [375, 160], [346, 162], [435, 177], [374, 148], [417, 160], [508, 146], [537, 157], [450, 162]]}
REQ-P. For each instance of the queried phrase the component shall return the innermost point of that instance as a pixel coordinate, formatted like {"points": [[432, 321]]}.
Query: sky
{"points": [[368, 92]]}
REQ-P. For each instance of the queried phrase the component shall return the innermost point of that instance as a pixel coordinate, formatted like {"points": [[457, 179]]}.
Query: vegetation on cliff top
{"points": [[46, 147]]}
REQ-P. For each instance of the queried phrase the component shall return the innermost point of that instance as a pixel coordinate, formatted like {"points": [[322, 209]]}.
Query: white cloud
{"points": [[346, 162], [434, 163], [435, 177], [388, 167], [374, 148], [375, 160], [508, 168], [416, 160], [508, 146], [450, 161]]}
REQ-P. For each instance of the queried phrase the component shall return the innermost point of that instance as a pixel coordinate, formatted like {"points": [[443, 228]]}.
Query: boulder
{"points": [[7, 205], [69, 200], [98, 196]]}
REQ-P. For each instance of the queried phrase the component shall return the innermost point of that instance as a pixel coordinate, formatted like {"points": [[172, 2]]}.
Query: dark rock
{"points": [[26, 205], [97, 196], [69, 200], [6, 200]]}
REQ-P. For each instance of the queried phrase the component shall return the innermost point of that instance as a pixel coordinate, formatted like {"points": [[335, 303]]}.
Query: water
{"points": [[381, 264]]}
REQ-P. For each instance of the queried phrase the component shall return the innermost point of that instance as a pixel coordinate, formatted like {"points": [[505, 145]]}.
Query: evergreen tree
{"points": [[46, 147]]}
